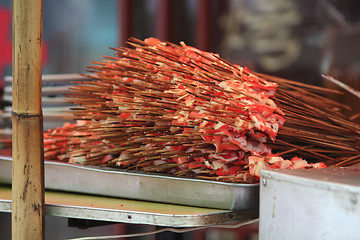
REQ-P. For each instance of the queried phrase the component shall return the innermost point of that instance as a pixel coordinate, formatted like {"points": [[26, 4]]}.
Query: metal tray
{"points": [[144, 186]]}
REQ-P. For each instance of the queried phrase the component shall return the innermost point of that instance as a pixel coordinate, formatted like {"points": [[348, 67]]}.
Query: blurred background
{"points": [[294, 39], [287, 38]]}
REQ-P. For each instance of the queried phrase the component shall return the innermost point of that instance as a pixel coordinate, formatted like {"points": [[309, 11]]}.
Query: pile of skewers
{"points": [[162, 107]]}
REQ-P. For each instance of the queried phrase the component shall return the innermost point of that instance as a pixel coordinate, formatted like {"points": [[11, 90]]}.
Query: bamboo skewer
{"points": [[135, 100], [342, 85], [28, 157]]}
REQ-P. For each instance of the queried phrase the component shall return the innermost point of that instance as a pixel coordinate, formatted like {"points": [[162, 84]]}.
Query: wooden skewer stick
{"points": [[139, 100], [342, 85], [27, 155]]}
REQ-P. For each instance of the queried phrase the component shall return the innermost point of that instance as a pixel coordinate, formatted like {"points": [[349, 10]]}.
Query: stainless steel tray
{"points": [[144, 186]]}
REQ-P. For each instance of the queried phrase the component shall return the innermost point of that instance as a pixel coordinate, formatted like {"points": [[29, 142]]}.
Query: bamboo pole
{"points": [[28, 160]]}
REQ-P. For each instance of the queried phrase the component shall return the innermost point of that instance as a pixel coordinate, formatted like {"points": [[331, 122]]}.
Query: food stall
{"points": [[187, 144]]}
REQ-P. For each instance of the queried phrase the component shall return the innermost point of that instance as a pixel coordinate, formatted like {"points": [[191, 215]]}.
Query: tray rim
{"points": [[138, 173]]}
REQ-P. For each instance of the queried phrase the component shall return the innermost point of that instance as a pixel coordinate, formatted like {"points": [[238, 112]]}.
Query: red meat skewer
{"points": [[173, 108]]}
